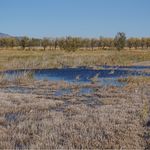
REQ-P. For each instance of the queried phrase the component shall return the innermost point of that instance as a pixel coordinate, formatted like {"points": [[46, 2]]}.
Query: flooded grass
{"points": [[105, 76], [91, 107], [61, 115]]}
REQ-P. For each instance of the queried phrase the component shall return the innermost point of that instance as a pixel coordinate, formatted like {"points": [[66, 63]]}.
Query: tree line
{"points": [[73, 43]]}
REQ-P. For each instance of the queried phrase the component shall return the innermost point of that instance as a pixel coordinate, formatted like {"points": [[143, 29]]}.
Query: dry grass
{"points": [[109, 118], [14, 59], [17, 79], [135, 81]]}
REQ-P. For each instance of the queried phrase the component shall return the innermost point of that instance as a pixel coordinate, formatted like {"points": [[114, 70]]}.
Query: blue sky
{"points": [[86, 18]]}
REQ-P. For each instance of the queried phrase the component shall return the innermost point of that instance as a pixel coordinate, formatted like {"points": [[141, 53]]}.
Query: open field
{"points": [[22, 59], [74, 75], [36, 115], [110, 117]]}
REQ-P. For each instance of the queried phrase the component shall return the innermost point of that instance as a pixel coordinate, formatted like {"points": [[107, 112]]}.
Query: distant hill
{"points": [[2, 35]]}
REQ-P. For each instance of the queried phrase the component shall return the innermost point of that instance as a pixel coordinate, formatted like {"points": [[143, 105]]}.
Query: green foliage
{"points": [[120, 40], [74, 43], [8, 42], [70, 44], [24, 42], [34, 42], [45, 43]]}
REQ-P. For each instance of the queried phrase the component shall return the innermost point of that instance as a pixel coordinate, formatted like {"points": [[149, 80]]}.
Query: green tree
{"points": [[13, 42], [24, 42], [120, 40], [143, 41], [147, 44], [45, 43], [70, 44], [130, 43], [34, 42]]}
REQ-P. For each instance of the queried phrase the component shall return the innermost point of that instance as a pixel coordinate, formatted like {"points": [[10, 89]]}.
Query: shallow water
{"points": [[62, 92], [85, 91], [105, 75], [16, 89], [82, 91], [12, 117]]}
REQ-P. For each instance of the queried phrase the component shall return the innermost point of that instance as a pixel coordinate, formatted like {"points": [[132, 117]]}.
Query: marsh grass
{"points": [[95, 79], [69, 122], [26, 76], [22, 59], [135, 80], [110, 118], [17, 79], [3, 80]]}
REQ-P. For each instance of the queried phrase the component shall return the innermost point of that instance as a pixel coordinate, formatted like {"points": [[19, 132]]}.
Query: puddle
{"points": [[82, 91], [62, 92], [16, 89], [11, 117], [85, 91], [112, 82], [106, 75]]}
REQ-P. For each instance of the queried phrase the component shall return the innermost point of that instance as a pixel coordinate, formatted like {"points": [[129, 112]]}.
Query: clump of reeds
{"points": [[25, 77], [3, 80], [135, 80], [95, 79]]}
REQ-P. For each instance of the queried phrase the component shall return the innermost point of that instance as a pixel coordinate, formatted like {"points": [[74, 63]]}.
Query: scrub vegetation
{"points": [[74, 43], [25, 52], [36, 115]]}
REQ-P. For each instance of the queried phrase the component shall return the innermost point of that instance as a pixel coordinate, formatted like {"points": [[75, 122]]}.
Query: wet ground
{"points": [[105, 75], [53, 111]]}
